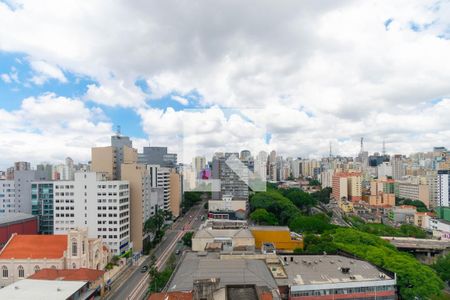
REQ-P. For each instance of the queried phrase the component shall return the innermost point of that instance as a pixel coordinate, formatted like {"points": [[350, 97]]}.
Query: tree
{"points": [[187, 238], [154, 225], [318, 223], [323, 195], [301, 199], [415, 280], [314, 182], [442, 267], [262, 217], [190, 199]]}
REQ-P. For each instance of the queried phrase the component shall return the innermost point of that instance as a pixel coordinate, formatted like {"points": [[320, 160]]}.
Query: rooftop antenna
{"points": [[118, 130], [331, 153], [362, 145]]}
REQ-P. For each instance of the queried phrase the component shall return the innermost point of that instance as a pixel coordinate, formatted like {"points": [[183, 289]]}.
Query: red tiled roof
{"points": [[35, 246], [82, 274], [171, 296]]}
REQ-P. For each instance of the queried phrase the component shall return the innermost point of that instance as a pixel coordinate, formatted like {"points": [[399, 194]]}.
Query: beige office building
{"points": [[175, 193]]}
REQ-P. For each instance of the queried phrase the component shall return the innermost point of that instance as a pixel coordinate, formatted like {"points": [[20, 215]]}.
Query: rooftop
{"points": [[171, 296], [82, 274], [230, 271], [15, 217], [270, 228], [223, 233], [34, 246], [40, 289], [328, 269]]}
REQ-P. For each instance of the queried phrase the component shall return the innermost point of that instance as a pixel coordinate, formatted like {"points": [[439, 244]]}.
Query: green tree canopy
{"points": [[262, 217]]}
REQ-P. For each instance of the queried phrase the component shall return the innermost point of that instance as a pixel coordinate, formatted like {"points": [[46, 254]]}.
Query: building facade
{"points": [[24, 255], [91, 201], [42, 205], [443, 188]]}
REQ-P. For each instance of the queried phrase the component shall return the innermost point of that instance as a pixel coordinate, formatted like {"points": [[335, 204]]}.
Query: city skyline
{"points": [[327, 72]]}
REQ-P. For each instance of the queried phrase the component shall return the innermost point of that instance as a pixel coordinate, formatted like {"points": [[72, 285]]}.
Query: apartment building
{"points": [[101, 205], [347, 185], [443, 188], [414, 190], [42, 205], [382, 192], [7, 197]]}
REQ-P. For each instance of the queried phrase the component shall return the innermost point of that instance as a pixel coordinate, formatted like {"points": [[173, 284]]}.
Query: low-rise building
{"points": [[422, 219], [94, 278], [280, 236], [333, 277], [19, 223], [209, 276], [403, 214], [229, 239], [24, 255], [227, 208], [440, 228], [46, 289]]}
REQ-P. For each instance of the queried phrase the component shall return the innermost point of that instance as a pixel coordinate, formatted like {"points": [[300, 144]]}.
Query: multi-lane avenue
{"points": [[133, 284]]}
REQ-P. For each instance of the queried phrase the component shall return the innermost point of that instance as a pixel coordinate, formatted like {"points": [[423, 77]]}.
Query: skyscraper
{"points": [[443, 188], [233, 176], [109, 159], [398, 170]]}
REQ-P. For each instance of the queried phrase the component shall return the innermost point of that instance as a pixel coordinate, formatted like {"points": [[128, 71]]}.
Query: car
{"points": [[144, 269], [178, 252]]}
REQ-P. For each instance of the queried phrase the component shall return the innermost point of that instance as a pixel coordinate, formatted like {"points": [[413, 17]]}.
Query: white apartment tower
{"points": [[443, 188], [96, 203], [7, 197]]}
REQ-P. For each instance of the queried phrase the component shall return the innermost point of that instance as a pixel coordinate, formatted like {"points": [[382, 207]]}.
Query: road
{"points": [[134, 284]]}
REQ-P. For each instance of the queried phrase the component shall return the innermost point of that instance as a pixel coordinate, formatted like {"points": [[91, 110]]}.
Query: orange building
{"points": [[382, 192], [347, 185], [279, 236]]}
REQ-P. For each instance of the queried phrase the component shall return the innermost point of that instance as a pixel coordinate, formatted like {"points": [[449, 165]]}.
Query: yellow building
{"points": [[279, 236]]}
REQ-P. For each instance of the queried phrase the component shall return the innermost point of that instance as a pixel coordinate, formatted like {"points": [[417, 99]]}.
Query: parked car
{"points": [[178, 252], [144, 269]]}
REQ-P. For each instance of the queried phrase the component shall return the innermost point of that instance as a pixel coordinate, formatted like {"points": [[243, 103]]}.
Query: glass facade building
{"points": [[42, 205]]}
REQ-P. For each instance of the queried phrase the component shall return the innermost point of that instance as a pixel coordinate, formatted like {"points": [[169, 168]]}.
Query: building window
{"points": [[83, 247], [36, 269], [74, 247], [53, 267], [5, 272], [74, 266], [21, 272]]}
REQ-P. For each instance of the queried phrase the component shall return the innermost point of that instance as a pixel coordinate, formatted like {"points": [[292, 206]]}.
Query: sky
{"points": [[224, 75]]}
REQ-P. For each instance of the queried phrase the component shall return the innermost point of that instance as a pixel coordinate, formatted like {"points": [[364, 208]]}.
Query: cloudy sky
{"points": [[203, 76]]}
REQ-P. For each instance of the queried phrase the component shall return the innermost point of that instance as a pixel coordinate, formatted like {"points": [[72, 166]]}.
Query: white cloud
{"points": [[50, 128], [6, 78], [45, 71], [181, 100], [116, 93], [319, 71]]}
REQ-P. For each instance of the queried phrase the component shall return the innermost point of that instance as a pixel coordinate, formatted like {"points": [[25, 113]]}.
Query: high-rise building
{"points": [[398, 169], [198, 165], [42, 205], [7, 197], [245, 155], [109, 159], [176, 190], [382, 192], [94, 202], [347, 185], [22, 166], [384, 170], [163, 181], [141, 204], [44, 172], [233, 176], [157, 156], [443, 188], [22, 185]]}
